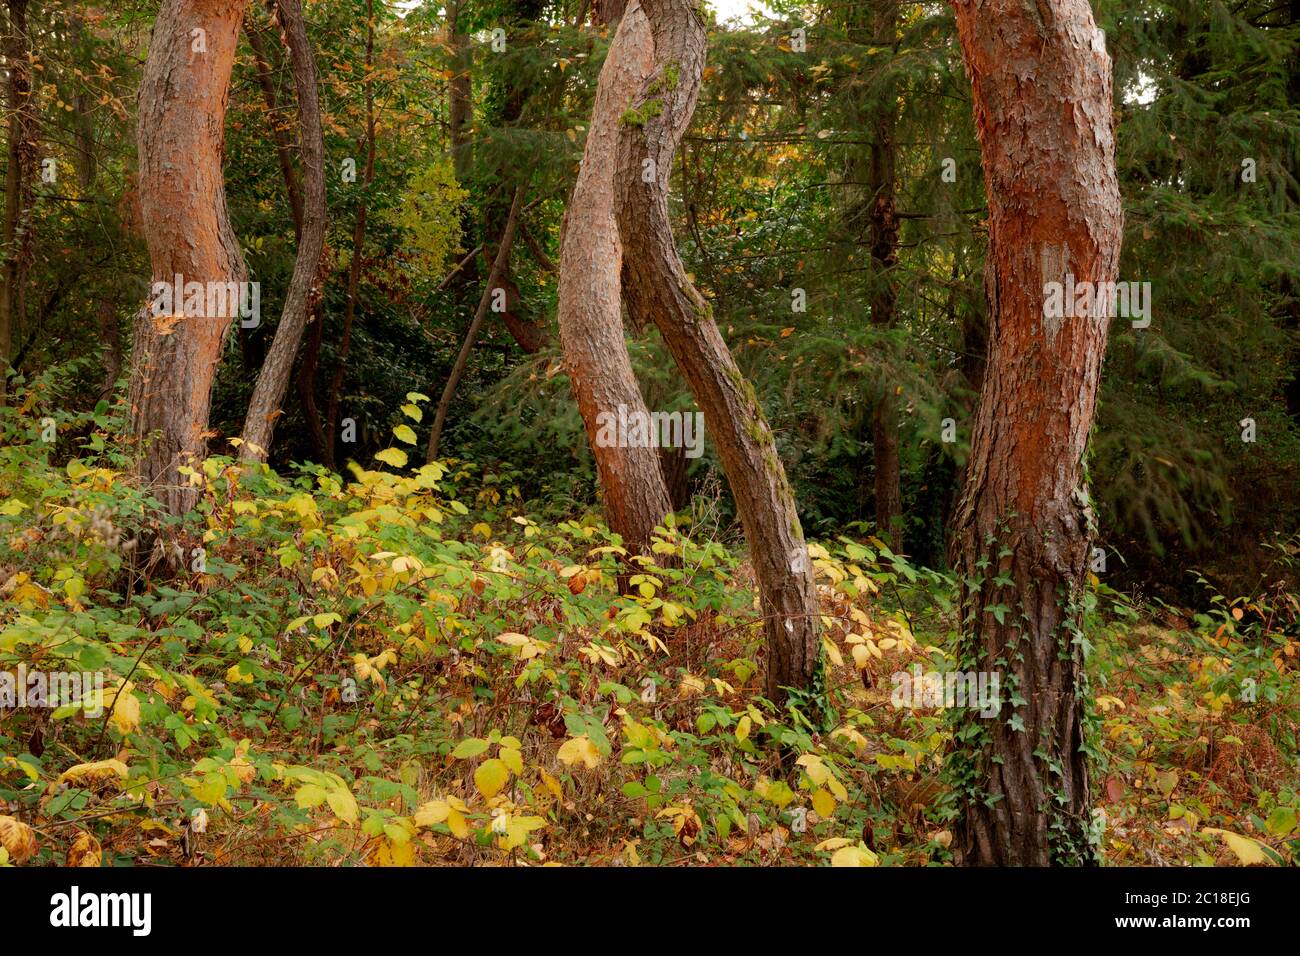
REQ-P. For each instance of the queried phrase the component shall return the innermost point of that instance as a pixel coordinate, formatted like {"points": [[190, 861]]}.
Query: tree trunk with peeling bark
{"points": [[273, 380], [181, 139], [658, 290], [1041, 88], [590, 310]]}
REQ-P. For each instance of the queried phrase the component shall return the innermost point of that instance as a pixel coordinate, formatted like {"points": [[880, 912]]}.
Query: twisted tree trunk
{"points": [[590, 311], [273, 380], [659, 291], [181, 139], [1041, 87]]}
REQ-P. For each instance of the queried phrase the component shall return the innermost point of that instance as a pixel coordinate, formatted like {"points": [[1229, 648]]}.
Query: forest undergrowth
{"points": [[412, 665]]}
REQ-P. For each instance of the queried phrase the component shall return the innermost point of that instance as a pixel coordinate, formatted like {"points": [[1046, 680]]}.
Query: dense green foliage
{"points": [[383, 668]]}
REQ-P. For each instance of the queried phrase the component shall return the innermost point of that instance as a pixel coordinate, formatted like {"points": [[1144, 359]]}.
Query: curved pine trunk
{"points": [[1041, 87], [659, 291], [590, 311], [181, 139]]}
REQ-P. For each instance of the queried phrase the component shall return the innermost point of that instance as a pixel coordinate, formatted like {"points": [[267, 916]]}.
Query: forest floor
{"points": [[411, 667]]}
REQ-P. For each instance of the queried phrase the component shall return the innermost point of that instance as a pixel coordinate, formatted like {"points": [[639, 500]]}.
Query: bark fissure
{"points": [[1041, 88], [659, 291], [181, 141], [590, 304]]}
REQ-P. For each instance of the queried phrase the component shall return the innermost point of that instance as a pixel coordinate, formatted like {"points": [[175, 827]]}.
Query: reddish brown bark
{"points": [[606, 11], [181, 137], [658, 290], [1041, 88], [590, 310]]}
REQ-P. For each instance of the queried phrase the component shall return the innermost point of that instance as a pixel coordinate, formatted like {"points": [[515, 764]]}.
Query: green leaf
{"points": [[309, 796], [343, 804], [1282, 821], [469, 748]]}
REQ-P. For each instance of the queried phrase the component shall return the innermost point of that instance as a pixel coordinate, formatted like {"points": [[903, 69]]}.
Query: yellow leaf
{"points": [[126, 709], [404, 433], [1248, 851], [517, 830], [690, 686], [832, 844], [552, 785], [833, 653], [512, 759], [490, 777], [435, 811], [392, 456], [93, 772], [1166, 781], [343, 803], [823, 803], [854, 856], [456, 823], [743, 728], [579, 749], [813, 766], [389, 852]]}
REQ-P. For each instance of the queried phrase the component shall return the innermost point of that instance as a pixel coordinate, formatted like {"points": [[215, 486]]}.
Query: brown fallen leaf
{"points": [[18, 839], [85, 851]]}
